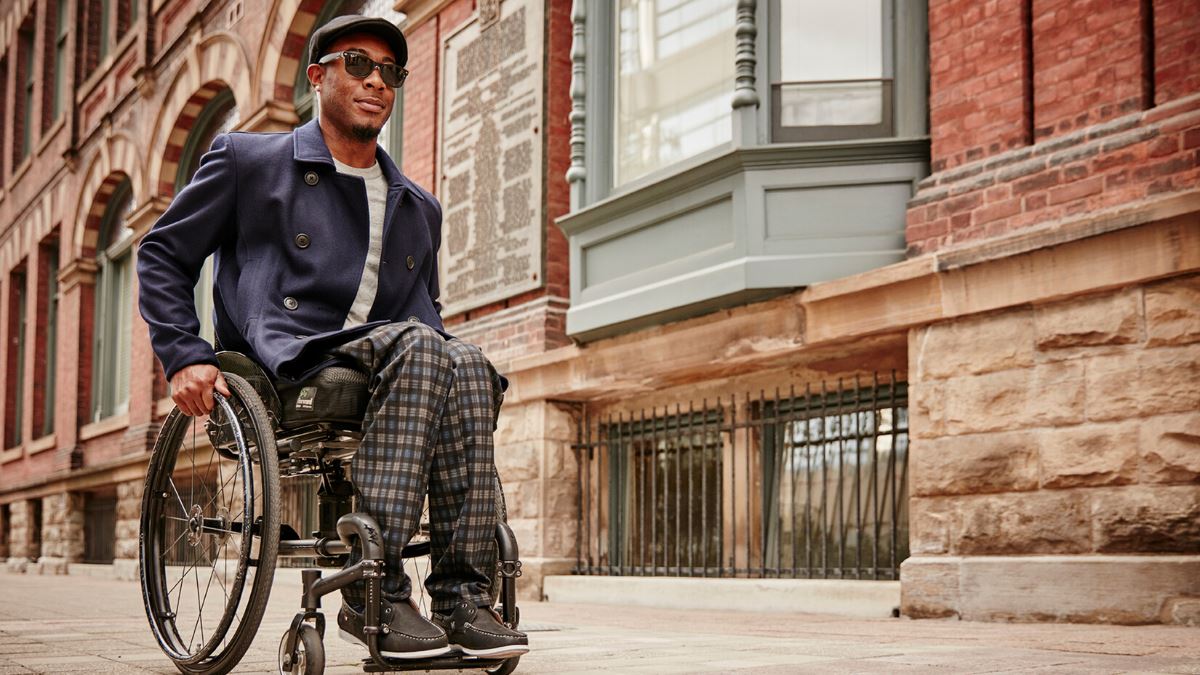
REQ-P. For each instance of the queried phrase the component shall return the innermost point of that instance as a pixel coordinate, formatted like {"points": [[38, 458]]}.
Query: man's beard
{"points": [[362, 132]]}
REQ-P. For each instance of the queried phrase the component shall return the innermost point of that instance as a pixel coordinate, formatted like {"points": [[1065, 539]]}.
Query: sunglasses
{"points": [[360, 65]]}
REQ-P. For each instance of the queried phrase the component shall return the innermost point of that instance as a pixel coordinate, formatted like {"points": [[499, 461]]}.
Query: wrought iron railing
{"points": [[800, 484]]}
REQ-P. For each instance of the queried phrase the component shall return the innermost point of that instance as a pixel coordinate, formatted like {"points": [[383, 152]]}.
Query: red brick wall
{"points": [[1087, 63], [558, 141], [1094, 146], [420, 105], [978, 79], [1176, 49]]}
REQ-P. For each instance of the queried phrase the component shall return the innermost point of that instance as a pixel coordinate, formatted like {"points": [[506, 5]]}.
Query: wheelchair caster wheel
{"points": [[309, 656]]}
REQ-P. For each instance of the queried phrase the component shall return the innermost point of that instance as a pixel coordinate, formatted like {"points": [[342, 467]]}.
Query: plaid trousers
{"points": [[429, 427]]}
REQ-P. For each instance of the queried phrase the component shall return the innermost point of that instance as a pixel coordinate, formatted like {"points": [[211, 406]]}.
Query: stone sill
{"points": [[115, 54], [105, 426], [163, 407], [1147, 240], [50, 134], [47, 442]]}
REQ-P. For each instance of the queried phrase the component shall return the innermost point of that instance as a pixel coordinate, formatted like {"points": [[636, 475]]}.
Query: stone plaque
{"points": [[490, 173]]}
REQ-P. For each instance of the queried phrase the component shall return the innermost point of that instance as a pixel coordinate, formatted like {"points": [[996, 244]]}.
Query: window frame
{"points": [[794, 134], [18, 300], [113, 314], [62, 35], [23, 108], [50, 269]]}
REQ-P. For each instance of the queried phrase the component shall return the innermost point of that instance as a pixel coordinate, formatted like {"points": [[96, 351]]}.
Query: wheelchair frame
{"points": [[318, 448]]}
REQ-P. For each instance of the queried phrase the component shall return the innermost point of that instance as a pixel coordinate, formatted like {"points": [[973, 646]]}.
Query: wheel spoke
{"points": [[172, 545]]}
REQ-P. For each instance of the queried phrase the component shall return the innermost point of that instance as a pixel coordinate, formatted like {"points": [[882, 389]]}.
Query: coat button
{"points": [[413, 319], [410, 261], [302, 240], [290, 302], [311, 178]]}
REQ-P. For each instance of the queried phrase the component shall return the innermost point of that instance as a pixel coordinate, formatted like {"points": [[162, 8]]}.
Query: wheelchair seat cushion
{"points": [[337, 395]]}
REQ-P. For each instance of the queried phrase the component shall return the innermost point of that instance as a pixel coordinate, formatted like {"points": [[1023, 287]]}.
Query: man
{"points": [[325, 253]]}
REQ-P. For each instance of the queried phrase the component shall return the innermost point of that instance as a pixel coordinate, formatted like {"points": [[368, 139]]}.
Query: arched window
{"points": [[114, 307], [219, 116], [392, 135]]}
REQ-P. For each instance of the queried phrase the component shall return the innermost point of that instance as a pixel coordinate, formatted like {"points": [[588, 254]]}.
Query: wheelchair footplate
{"points": [[452, 661]]}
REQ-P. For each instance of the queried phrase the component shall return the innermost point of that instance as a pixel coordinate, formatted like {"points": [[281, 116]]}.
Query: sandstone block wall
{"points": [[1068, 427], [129, 511], [1065, 428], [19, 531], [538, 470], [62, 532]]}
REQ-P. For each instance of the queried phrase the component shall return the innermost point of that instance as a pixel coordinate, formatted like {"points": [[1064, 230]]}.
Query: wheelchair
{"points": [[210, 531]]}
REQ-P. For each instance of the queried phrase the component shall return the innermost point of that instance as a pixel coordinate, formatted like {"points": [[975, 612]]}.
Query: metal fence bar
{"points": [[817, 474]]}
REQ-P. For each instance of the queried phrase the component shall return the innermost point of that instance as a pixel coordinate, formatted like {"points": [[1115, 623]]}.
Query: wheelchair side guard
{"points": [[240, 364]]}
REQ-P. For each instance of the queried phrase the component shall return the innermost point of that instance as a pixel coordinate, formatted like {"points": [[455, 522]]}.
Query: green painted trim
{"points": [[709, 167]]}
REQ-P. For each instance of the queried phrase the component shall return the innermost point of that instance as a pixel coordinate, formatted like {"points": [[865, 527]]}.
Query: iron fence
{"points": [[800, 484]]}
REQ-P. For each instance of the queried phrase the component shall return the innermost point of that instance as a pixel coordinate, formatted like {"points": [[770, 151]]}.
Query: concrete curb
{"points": [[860, 599]]}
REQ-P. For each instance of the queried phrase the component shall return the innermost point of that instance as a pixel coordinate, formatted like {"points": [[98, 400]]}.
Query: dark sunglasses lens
{"points": [[357, 64], [393, 75]]}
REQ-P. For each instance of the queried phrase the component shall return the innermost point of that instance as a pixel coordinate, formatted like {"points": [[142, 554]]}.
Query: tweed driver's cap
{"points": [[353, 23]]}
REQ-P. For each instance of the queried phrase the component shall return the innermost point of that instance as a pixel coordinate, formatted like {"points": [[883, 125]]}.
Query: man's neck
{"points": [[348, 151]]}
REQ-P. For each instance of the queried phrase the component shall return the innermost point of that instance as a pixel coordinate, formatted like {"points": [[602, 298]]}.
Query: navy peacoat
{"points": [[290, 236]]}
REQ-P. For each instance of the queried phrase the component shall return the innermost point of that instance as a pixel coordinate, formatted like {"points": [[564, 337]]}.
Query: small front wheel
{"points": [[309, 658]]}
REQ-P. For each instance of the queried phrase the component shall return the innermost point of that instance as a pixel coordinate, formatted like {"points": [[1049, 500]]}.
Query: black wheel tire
{"points": [[245, 599], [311, 650]]}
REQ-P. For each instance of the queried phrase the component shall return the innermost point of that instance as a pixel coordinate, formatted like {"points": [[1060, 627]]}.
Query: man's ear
{"points": [[315, 74]]}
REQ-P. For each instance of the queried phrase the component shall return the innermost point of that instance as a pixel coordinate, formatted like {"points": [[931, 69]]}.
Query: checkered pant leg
{"points": [[463, 532], [412, 376]]}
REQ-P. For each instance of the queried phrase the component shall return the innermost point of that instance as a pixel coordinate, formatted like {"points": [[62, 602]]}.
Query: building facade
{"points": [[864, 291]]}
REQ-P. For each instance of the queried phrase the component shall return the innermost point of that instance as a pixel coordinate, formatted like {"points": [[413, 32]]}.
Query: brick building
{"points": [[904, 296]]}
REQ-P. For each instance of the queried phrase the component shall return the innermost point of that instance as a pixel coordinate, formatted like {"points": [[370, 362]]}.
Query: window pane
{"points": [[826, 51], [51, 347], [110, 382], [674, 81]]}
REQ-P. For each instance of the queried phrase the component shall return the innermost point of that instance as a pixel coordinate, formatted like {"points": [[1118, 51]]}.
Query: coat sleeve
{"points": [[172, 254]]}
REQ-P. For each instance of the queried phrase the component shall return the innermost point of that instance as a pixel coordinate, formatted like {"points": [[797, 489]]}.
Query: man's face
{"points": [[357, 107]]}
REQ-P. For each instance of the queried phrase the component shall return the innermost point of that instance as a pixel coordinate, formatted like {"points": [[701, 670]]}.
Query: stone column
{"points": [[129, 509], [62, 532], [537, 468], [18, 535]]}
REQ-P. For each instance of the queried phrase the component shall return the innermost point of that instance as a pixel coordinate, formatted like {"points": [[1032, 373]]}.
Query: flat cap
{"points": [[354, 23]]}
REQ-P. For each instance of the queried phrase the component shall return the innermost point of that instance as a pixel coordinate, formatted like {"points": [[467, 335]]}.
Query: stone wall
{"points": [[537, 468], [1064, 428], [19, 532], [62, 532], [129, 511]]}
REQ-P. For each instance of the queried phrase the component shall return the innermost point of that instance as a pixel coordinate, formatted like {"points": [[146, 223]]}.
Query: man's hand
{"points": [[192, 388]]}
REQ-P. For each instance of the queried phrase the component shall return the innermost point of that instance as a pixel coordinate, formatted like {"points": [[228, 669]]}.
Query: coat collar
{"points": [[309, 146]]}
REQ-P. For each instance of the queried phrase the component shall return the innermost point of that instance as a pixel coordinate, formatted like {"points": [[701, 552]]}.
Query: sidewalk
{"points": [[81, 624]]}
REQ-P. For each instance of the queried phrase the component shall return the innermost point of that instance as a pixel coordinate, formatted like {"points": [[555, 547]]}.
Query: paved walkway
{"points": [[81, 624]]}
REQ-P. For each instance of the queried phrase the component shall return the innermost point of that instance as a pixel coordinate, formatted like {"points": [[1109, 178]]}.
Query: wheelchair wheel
{"points": [[210, 531]]}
